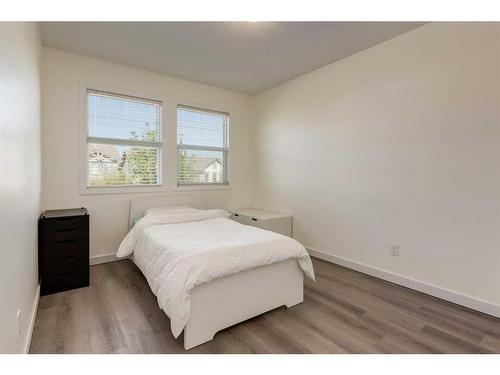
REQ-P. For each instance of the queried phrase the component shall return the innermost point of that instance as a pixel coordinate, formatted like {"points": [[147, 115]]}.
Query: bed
{"points": [[208, 271]]}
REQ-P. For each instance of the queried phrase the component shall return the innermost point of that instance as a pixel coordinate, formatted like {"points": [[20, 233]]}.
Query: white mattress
{"points": [[175, 258]]}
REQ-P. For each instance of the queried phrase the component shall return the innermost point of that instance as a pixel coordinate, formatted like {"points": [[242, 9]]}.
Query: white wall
{"points": [[63, 73], [400, 144], [397, 144], [20, 181]]}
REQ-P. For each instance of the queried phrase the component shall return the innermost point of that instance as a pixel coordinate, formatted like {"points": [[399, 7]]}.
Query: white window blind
{"points": [[123, 140], [202, 147]]}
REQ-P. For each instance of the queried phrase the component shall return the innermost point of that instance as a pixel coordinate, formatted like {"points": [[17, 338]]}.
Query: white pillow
{"points": [[167, 210]]}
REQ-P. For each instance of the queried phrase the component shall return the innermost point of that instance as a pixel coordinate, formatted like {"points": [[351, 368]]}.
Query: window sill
{"points": [[203, 187], [121, 190]]}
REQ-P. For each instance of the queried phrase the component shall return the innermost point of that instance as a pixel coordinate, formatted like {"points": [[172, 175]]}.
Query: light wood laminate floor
{"points": [[344, 311]]}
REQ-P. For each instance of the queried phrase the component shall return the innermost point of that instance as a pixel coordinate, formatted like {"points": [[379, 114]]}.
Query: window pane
{"points": [[122, 118], [200, 167], [201, 128], [112, 165]]}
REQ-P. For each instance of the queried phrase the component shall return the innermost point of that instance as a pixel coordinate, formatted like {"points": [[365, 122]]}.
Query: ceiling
{"points": [[246, 57]]}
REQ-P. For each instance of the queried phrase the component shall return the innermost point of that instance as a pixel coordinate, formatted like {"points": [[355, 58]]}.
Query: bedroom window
{"points": [[202, 147], [123, 140]]}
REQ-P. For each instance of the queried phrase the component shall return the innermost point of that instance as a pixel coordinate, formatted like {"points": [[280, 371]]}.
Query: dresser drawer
{"points": [[65, 235], [66, 223], [66, 256], [65, 280], [272, 221], [241, 219], [66, 264], [59, 250]]}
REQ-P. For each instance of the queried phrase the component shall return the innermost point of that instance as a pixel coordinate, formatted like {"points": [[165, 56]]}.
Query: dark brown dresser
{"points": [[63, 250]]}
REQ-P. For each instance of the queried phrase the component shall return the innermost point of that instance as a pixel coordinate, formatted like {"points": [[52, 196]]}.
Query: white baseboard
{"points": [[433, 290], [29, 334], [106, 258]]}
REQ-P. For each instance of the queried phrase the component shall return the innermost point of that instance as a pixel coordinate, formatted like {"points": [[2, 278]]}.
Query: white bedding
{"points": [[177, 251]]}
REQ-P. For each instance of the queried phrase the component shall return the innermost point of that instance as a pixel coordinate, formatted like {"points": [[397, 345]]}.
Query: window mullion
{"points": [[183, 146], [126, 142]]}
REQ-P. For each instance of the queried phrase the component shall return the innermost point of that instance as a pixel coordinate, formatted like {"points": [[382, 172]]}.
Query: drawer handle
{"points": [[66, 219], [65, 273], [254, 219], [68, 257], [67, 230], [236, 215], [68, 241]]}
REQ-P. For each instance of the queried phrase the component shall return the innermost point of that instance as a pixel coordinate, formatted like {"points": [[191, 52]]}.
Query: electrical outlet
{"points": [[18, 322], [395, 250]]}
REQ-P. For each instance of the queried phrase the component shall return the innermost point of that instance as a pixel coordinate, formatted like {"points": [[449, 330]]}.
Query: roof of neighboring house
{"points": [[109, 153], [199, 164]]}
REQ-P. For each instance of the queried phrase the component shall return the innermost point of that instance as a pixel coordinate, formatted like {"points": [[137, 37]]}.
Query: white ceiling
{"points": [[247, 57]]}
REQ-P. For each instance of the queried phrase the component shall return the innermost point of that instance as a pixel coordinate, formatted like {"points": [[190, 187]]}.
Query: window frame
{"points": [[225, 152], [85, 139]]}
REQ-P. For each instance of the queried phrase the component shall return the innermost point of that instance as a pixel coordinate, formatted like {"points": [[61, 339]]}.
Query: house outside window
{"points": [[202, 147], [124, 144]]}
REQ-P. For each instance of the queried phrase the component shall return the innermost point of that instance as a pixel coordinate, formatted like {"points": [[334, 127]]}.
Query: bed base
{"points": [[227, 301]]}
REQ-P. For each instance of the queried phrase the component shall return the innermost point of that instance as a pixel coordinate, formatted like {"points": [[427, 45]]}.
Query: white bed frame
{"points": [[229, 300]]}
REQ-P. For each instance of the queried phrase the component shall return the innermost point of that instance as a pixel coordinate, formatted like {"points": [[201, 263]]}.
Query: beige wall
{"points": [[63, 74], [20, 181], [397, 144]]}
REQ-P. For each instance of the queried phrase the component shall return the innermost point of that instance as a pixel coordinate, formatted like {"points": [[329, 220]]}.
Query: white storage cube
{"points": [[273, 221]]}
